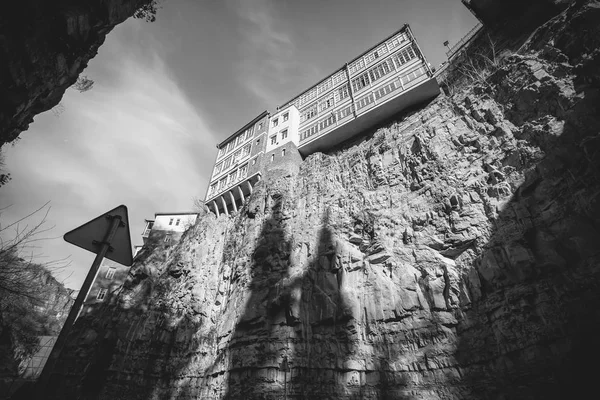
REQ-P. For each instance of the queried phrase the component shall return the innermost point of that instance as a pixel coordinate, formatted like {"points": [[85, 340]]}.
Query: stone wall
{"points": [[450, 255], [44, 46]]}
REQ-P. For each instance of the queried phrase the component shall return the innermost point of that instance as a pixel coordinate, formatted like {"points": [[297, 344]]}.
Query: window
{"points": [[222, 183], [110, 273], [226, 163], [171, 221], [309, 113], [339, 77], [246, 150], [218, 168], [213, 189], [236, 156], [168, 238], [257, 141], [272, 157], [282, 152], [177, 222], [276, 122], [243, 171], [284, 134], [324, 105], [260, 125], [341, 93], [286, 116], [404, 56], [379, 71], [327, 122], [309, 132], [221, 151], [101, 294], [231, 178], [360, 82], [273, 139], [230, 146], [254, 161]]}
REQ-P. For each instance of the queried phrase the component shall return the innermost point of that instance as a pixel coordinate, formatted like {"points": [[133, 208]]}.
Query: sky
{"points": [[167, 92]]}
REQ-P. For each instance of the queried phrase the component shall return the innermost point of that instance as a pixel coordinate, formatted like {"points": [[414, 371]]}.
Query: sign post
{"points": [[107, 236]]}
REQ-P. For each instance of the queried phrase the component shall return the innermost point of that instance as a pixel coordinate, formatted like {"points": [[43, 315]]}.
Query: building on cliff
{"points": [[371, 88], [164, 230]]}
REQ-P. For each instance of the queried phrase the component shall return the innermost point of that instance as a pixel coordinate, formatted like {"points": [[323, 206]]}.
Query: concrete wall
{"points": [[291, 124]]}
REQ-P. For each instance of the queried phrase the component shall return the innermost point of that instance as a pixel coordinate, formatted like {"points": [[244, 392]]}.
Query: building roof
{"points": [[176, 213], [404, 27], [243, 128]]}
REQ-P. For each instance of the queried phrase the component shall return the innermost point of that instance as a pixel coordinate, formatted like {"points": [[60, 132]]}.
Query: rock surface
{"points": [[450, 255], [44, 46]]}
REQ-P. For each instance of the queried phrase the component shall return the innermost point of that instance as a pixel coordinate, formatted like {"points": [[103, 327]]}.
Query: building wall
{"points": [[283, 123], [285, 157], [377, 76], [235, 156], [173, 222], [104, 281]]}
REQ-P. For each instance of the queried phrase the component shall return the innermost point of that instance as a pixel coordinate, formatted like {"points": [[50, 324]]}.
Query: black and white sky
{"points": [[167, 92]]}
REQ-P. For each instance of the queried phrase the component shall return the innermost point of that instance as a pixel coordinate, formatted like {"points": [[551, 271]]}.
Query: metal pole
{"points": [[44, 378], [285, 384]]}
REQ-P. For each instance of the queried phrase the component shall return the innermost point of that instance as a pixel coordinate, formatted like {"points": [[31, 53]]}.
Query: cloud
{"points": [[134, 139], [268, 51]]}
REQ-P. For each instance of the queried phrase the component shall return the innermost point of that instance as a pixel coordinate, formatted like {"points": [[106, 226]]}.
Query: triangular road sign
{"points": [[90, 236]]}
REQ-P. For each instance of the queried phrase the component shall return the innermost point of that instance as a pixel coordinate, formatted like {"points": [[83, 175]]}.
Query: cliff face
{"points": [[44, 46], [450, 255]]}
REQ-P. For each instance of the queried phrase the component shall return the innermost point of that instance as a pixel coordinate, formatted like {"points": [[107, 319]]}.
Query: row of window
{"points": [[243, 137], [241, 153], [337, 96], [354, 67], [383, 49], [360, 82], [325, 123], [413, 75], [383, 69], [284, 117], [284, 135], [361, 103], [176, 222], [233, 177]]}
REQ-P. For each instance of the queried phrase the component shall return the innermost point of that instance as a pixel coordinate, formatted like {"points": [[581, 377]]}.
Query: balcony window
{"points": [[101, 294], [110, 273]]}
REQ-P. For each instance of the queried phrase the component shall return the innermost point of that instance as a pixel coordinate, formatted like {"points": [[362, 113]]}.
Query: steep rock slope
{"points": [[450, 255], [44, 46], [25, 317]]}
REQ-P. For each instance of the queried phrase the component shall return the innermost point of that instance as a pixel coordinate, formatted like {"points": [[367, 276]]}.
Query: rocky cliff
{"points": [[452, 254], [28, 311], [44, 46]]}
